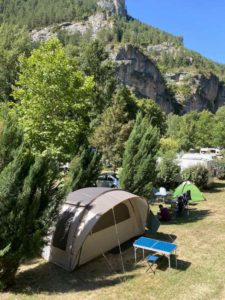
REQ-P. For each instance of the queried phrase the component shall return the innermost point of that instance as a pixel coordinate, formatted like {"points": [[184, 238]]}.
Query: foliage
{"points": [[84, 170], [196, 130], [180, 58], [40, 13], [152, 110], [180, 89], [168, 145], [135, 32], [183, 130], [221, 171], [115, 127], [14, 41], [94, 62], [54, 99], [29, 197], [139, 161], [168, 173], [218, 133], [204, 129], [10, 140], [197, 174]]}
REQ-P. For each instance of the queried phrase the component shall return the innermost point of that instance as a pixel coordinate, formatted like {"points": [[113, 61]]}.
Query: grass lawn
{"points": [[200, 274]]}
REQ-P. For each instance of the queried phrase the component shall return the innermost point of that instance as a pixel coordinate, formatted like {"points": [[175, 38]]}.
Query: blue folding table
{"points": [[157, 246]]}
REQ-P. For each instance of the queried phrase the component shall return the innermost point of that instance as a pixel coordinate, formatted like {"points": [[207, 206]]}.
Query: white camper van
{"points": [[211, 151], [193, 159]]}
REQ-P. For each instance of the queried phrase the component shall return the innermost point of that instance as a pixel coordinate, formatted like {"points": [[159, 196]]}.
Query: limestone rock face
{"points": [[93, 25], [138, 72], [113, 7], [120, 7], [191, 91], [220, 99], [197, 91]]}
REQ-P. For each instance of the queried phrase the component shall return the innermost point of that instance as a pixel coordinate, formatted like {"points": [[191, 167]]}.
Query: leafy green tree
{"points": [[183, 129], [127, 100], [10, 140], [168, 172], [168, 145], [29, 198], [94, 62], [152, 110], [84, 170], [14, 41], [139, 162], [197, 174], [114, 128], [204, 129], [53, 101], [219, 128], [39, 13]]}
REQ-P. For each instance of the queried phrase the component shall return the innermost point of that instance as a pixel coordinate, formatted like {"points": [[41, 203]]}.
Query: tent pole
{"points": [[117, 235]]}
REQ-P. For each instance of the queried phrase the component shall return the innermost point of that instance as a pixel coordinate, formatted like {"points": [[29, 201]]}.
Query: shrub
{"points": [[197, 174], [168, 173], [139, 161], [221, 170]]}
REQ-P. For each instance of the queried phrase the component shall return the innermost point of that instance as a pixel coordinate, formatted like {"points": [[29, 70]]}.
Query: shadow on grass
{"points": [[49, 278], [216, 187], [181, 264], [193, 215], [99, 273]]}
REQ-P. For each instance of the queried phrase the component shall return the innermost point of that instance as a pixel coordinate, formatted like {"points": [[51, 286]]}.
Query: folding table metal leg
{"points": [[135, 255], [176, 258]]}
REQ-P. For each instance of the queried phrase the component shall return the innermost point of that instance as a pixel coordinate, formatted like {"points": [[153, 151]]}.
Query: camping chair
{"points": [[151, 260], [152, 224]]}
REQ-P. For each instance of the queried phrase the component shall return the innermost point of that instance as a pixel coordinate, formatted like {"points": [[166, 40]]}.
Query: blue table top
{"points": [[156, 245]]}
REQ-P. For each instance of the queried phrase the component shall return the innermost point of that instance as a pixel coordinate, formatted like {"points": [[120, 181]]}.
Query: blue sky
{"points": [[200, 22]]}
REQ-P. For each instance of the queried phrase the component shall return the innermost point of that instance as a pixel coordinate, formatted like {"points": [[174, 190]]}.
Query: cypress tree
{"points": [[28, 201], [139, 161], [115, 127], [84, 170]]}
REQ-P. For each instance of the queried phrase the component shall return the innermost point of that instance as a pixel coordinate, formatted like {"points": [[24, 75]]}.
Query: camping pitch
{"points": [[93, 221], [196, 195]]}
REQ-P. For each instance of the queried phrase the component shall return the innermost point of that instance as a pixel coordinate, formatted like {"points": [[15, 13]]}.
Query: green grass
{"points": [[200, 274]]}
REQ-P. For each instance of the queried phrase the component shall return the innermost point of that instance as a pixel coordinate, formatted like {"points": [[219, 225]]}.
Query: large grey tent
{"points": [[93, 221]]}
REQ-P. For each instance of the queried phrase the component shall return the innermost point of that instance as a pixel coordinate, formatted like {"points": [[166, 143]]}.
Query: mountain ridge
{"points": [[193, 81]]}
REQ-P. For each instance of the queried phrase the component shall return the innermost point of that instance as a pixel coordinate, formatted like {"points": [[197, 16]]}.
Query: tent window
{"points": [[107, 220], [62, 230]]}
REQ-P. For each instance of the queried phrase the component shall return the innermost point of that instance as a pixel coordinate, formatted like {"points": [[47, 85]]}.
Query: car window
{"points": [[109, 178], [102, 177]]}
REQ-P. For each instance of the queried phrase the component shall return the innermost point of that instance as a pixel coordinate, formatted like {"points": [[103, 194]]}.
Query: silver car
{"points": [[108, 180]]}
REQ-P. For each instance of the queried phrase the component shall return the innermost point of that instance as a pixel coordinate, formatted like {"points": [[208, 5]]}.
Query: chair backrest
{"points": [[152, 223]]}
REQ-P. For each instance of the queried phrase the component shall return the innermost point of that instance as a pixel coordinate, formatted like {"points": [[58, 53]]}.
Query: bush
{"points": [[168, 173], [197, 174], [221, 170]]}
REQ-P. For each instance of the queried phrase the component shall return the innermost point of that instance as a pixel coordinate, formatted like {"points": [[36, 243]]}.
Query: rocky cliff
{"points": [[141, 75], [188, 90], [113, 7], [93, 24], [196, 91], [185, 90]]}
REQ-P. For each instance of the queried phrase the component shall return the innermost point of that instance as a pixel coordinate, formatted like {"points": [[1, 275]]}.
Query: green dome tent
{"points": [[196, 195]]}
